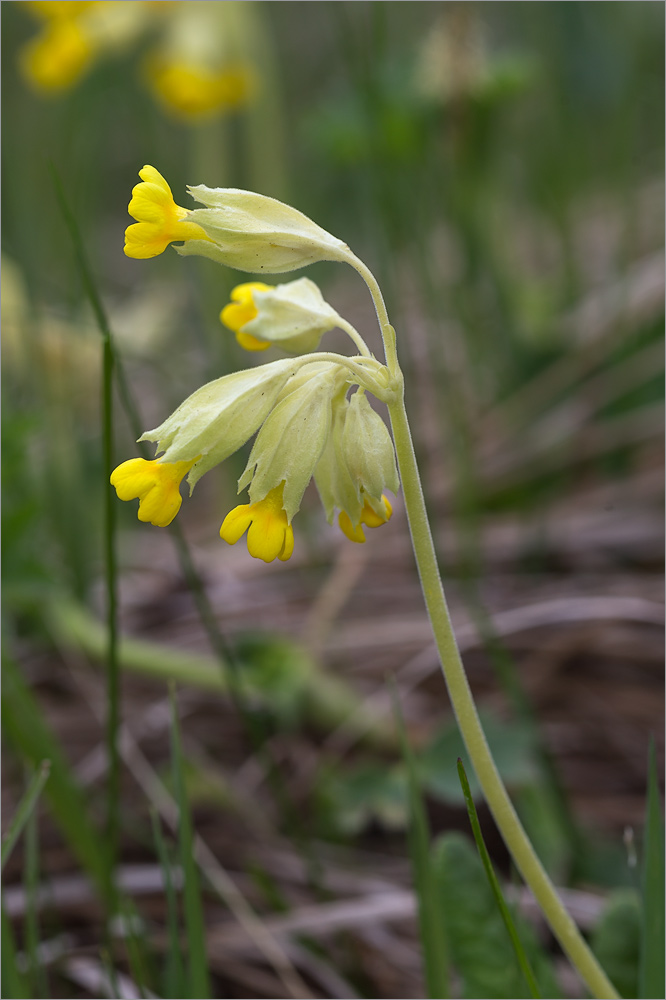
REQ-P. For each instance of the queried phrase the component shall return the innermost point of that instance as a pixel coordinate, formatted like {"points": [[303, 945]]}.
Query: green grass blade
{"points": [[431, 925], [13, 983], [110, 561], [198, 979], [24, 809], [40, 987], [521, 957], [651, 980], [174, 973], [26, 729]]}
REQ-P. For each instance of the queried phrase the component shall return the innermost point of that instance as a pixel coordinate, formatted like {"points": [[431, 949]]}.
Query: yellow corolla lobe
{"points": [[269, 535], [159, 220], [369, 517], [242, 310], [155, 484]]}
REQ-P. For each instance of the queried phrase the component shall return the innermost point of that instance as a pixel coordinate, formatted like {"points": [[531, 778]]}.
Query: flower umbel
{"points": [[155, 484], [269, 536], [159, 220]]}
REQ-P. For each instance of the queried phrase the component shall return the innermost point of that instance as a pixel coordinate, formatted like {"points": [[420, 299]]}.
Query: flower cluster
{"points": [[199, 67], [305, 422]]}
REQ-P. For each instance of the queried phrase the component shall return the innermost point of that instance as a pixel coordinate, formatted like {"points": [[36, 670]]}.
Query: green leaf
{"points": [[652, 937], [493, 882], [480, 947], [617, 941], [511, 744], [366, 794]]}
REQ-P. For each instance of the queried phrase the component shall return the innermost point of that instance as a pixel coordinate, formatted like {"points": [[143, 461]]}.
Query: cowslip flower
{"points": [[293, 316], [357, 467], [74, 35], [159, 220], [201, 66]]}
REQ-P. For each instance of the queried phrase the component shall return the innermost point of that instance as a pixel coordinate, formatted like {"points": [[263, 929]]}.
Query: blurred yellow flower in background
{"points": [[200, 66]]}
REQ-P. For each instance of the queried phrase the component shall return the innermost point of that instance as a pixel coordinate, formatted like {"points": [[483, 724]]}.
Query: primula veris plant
{"points": [[308, 425]]}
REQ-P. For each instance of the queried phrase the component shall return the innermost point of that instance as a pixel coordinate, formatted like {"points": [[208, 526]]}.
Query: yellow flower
{"points": [[242, 310], [159, 219], [268, 533], [155, 484], [293, 316], [58, 57], [194, 91], [370, 516]]}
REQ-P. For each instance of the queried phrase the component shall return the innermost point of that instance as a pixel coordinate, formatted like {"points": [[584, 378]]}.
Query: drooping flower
{"points": [[357, 467], [293, 316], [159, 220], [155, 484], [269, 535]]}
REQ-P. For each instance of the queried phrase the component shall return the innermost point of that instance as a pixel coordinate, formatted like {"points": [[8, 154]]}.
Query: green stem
{"points": [[111, 572], [355, 336], [460, 694]]}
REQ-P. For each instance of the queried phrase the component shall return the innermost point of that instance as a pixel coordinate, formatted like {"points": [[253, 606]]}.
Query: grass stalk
{"points": [[110, 562], [24, 809], [523, 960]]}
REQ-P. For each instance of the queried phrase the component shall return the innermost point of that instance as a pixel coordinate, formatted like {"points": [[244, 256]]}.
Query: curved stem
{"points": [[355, 336], [366, 371], [491, 783], [388, 333]]}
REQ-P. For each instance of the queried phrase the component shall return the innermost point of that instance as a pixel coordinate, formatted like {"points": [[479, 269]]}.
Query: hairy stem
{"points": [[462, 700]]}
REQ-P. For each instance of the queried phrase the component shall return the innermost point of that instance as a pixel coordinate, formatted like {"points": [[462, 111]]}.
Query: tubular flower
{"points": [[356, 467], [155, 484], [293, 316], [159, 220], [269, 535]]}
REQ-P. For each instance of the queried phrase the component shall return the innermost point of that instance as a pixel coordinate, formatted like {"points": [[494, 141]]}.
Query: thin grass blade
{"points": [[198, 978], [651, 977], [523, 960], [24, 809], [174, 972]]}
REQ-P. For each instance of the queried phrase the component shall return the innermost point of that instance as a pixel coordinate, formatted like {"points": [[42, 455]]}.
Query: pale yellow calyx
{"points": [[155, 484], [159, 220], [242, 310], [252, 232], [269, 535], [370, 516]]}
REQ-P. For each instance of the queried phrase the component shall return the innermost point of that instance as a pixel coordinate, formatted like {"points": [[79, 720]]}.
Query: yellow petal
{"points": [[155, 484]]}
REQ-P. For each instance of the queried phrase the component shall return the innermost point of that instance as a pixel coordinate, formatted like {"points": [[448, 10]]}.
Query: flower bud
{"points": [[220, 417], [293, 316], [252, 232]]}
